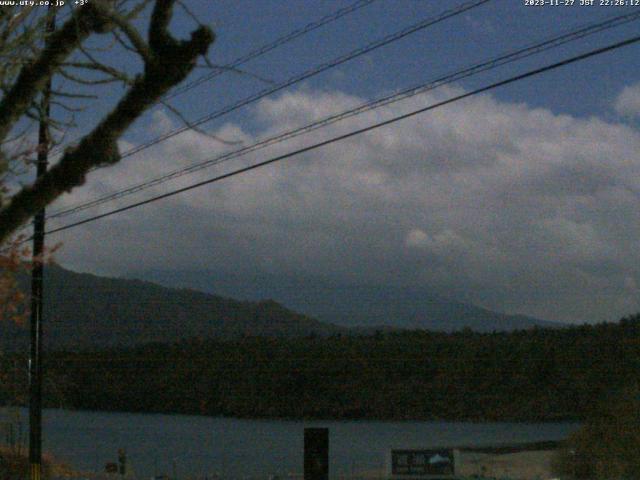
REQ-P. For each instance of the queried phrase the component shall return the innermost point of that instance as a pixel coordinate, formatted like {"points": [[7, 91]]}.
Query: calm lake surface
{"points": [[192, 446]]}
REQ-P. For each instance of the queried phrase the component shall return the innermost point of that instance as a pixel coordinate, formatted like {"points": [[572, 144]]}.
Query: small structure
{"points": [[431, 464], [316, 454]]}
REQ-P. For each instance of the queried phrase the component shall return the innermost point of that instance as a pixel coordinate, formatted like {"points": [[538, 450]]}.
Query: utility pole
{"points": [[35, 354]]}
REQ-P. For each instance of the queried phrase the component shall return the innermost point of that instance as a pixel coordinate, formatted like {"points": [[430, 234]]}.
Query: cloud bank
{"points": [[517, 209], [628, 102]]}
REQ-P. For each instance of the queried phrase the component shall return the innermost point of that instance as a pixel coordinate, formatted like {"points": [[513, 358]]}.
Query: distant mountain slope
{"points": [[88, 311], [362, 306]]}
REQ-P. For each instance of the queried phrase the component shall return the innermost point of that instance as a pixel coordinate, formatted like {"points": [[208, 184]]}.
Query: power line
{"points": [[353, 133], [474, 69], [278, 42], [312, 72], [272, 46]]}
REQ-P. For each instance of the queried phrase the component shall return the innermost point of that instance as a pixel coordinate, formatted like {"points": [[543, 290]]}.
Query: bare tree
{"points": [[32, 60]]}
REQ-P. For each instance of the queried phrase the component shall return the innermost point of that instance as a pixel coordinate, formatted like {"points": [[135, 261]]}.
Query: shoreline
{"points": [[473, 421]]}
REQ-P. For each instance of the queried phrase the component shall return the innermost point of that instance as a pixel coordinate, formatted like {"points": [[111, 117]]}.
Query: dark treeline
{"points": [[535, 375]]}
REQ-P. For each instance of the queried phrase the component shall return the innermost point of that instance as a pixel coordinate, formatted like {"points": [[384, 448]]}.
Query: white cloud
{"points": [[522, 209], [627, 104], [417, 238]]}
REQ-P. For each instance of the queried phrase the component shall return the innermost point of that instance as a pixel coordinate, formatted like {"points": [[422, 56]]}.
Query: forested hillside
{"points": [[88, 311], [526, 375]]}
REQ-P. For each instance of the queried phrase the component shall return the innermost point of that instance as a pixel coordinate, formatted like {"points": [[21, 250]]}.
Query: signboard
{"points": [[432, 463]]}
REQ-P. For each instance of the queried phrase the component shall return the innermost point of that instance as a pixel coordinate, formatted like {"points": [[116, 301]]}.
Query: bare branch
{"points": [[170, 62], [67, 107], [188, 11], [59, 93], [18, 136], [92, 82], [128, 29], [100, 68], [135, 11], [159, 38], [33, 77], [184, 120], [122, 42]]}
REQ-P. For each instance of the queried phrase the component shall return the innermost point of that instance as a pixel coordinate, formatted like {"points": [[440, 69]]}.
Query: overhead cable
{"points": [[472, 70], [354, 133]]}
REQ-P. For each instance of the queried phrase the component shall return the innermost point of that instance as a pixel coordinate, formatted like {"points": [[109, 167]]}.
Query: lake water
{"points": [[191, 446]]}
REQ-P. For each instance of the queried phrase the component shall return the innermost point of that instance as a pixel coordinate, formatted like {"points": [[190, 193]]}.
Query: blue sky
{"points": [[497, 27], [522, 200], [481, 33]]}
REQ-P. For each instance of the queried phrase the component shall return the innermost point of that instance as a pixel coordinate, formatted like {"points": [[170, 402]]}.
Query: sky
{"points": [[522, 200]]}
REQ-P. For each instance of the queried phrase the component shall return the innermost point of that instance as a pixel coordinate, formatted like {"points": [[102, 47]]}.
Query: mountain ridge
{"points": [[352, 305], [86, 311]]}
